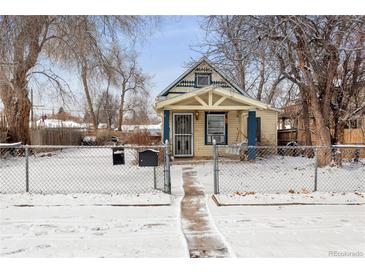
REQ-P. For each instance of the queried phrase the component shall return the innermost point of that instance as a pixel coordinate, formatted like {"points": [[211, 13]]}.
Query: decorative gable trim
{"points": [[179, 82], [243, 102]]}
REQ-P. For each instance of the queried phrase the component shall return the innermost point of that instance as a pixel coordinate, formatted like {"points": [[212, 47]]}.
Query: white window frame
{"points": [[204, 75], [225, 130]]}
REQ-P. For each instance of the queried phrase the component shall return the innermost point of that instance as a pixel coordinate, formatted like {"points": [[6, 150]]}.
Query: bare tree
{"points": [[231, 43], [314, 50], [73, 40], [85, 47], [322, 55], [107, 105], [22, 39], [127, 77], [140, 110]]}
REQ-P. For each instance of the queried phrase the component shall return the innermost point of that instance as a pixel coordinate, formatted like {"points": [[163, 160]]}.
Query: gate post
{"points": [[26, 168], [154, 178], [167, 175], [315, 168], [216, 170]]}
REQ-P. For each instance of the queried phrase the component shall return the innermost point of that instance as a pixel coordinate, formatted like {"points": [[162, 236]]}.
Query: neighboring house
{"points": [[153, 130], [202, 105], [56, 123], [292, 129]]}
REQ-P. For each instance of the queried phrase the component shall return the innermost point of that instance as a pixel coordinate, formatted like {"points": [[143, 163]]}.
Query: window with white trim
{"points": [[202, 80], [215, 128]]}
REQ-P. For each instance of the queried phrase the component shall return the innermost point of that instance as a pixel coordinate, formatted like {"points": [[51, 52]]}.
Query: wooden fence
{"points": [[353, 136], [55, 136]]}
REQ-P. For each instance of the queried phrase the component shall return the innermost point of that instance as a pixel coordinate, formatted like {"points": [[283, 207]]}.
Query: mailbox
{"points": [[118, 156], [148, 157]]}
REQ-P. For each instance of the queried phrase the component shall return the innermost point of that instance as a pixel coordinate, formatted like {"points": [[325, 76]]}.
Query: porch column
{"points": [[166, 125], [251, 134]]}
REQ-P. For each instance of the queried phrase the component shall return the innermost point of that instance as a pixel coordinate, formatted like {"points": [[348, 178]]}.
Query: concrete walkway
{"points": [[202, 237]]}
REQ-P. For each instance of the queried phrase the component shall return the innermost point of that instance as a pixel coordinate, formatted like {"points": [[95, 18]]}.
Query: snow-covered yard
{"points": [[97, 225], [93, 225], [76, 227], [82, 170], [291, 231], [317, 198]]}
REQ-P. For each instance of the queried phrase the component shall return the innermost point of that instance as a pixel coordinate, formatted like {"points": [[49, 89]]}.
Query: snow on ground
{"points": [[291, 231], [287, 198], [86, 225], [287, 231], [82, 170], [143, 199], [281, 174], [69, 230], [58, 226]]}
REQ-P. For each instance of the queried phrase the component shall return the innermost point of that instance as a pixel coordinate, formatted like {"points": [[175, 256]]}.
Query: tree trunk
{"points": [[273, 89], [17, 111], [242, 77], [121, 110], [339, 136], [262, 78], [307, 129], [323, 133], [88, 97], [306, 118]]}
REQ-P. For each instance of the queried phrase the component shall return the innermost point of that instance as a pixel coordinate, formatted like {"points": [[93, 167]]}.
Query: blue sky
{"points": [[164, 55]]}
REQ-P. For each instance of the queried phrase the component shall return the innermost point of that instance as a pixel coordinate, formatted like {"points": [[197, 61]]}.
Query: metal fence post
{"points": [[315, 168], [167, 176], [26, 169], [216, 170], [154, 178]]}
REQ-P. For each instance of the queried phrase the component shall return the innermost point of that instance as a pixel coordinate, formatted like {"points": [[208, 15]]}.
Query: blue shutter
{"points": [[166, 125], [251, 134]]}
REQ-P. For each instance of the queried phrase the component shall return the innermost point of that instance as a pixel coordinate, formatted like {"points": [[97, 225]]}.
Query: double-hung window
{"points": [[215, 128]]}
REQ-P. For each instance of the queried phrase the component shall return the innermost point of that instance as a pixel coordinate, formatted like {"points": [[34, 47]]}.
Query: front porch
{"points": [[193, 120]]}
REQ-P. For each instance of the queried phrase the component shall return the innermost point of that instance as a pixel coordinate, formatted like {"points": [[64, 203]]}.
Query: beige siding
{"points": [[236, 123], [268, 127]]}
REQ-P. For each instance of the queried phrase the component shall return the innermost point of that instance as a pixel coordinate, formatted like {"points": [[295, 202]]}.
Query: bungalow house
{"points": [[202, 105]]}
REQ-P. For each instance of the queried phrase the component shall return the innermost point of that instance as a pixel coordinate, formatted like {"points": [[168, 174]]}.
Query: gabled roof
{"points": [[203, 59]]}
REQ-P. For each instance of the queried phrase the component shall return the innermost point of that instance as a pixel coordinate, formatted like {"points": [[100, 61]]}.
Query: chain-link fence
{"points": [[84, 169], [283, 169]]}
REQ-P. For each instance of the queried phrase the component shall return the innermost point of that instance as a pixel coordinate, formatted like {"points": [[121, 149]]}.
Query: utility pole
{"points": [[32, 122]]}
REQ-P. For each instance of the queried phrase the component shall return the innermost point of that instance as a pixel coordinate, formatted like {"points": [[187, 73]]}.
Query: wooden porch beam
{"points": [[210, 98], [200, 100], [220, 101], [208, 108]]}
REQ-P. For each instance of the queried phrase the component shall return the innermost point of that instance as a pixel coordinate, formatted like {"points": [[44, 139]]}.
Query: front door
{"points": [[183, 135]]}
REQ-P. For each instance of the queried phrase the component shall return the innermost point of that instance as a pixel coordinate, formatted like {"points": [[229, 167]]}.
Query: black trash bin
{"points": [[118, 156], [148, 157]]}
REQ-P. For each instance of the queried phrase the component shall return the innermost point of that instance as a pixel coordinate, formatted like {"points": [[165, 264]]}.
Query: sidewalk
{"points": [[202, 237]]}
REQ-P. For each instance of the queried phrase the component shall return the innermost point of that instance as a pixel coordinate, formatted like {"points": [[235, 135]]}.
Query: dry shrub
{"points": [[104, 137], [141, 138], [3, 136]]}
